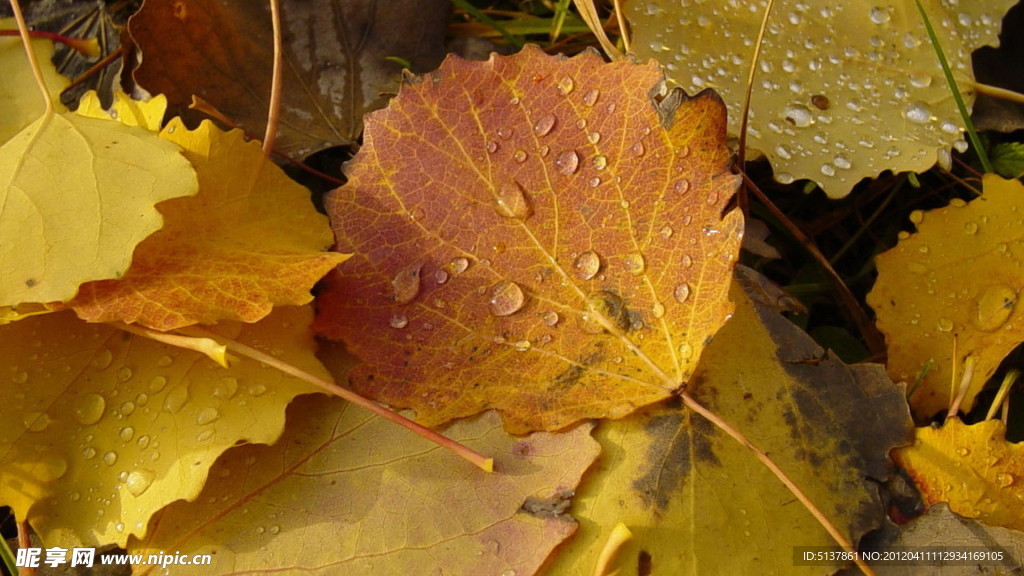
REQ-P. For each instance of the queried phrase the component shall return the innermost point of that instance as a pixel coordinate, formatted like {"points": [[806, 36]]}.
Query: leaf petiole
{"points": [[31, 54]]}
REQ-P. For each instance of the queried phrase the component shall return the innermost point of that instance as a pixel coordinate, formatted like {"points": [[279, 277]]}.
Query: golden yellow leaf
{"points": [[959, 276], [843, 91], [19, 97], [344, 492], [103, 428], [972, 467], [700, 504], [251, 239]]}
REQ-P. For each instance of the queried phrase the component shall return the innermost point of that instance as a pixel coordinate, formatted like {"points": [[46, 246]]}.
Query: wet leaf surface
{"points": [[843, 90], [960, 277], [528, 237]]}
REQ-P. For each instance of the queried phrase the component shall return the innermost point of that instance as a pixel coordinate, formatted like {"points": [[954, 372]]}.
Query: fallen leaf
{"points": [[251, 239], [972, 467], [344, 492], [337, 60], [698, 502], [103, 428], [958, 277], [526, 236], [843, 90], [19, 97], [939, 527]]}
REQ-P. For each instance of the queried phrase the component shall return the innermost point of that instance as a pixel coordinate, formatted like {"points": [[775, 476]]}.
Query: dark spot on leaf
{"points": [[644, 564], [30, 282], [522, 449], [820, 101], [555, 506], [669, 458]]}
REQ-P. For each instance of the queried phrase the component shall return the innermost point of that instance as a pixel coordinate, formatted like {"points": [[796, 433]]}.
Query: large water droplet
{"points": [[658, 310], [207, 415], [126, 434], [102, 359], [600, 162], [492, 147], [993, 307], [506, 298], [587, 265], [399, 321], [551, 318], [89, 409], [879, 15], [634, 263], [1004, 479], [685, 351], [798, 115], [519, 156], [590, 98], [459, 265], [35, 421], [156, 384], [544, 126], [566, 85], [406, 283], [49, 467], [110, 458], [682, 293], [139, 481], [945, 325], [175, 399], [512, 203], [638, 148], [918, 113], [567, 163]]}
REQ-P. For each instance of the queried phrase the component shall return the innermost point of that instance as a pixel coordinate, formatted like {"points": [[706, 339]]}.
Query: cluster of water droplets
{"points": [[841, 93]]}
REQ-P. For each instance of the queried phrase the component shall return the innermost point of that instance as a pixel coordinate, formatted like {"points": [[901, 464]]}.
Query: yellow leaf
{"points": [[843, 91], [248, 241], [972, 467], [20, 99], [345, 492], [960, 277], [77, 195], [147, 114], [698, 503], [103, 428]]}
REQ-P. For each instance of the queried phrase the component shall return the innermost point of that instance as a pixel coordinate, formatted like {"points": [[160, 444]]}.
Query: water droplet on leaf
{"points": [[512, 203], [544, 126], [206, 416], [590, 98], [587, 265], [139, 481], [89, 409], [600, 162], [993, 307], [506, 298], [566, 85], [567, 163], [635, 264], [682, 293], [406, 283], [459, 265]]}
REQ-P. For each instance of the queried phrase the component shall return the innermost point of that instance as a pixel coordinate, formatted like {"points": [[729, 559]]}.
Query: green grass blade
{"points": [[972, 134], [472, 11]]}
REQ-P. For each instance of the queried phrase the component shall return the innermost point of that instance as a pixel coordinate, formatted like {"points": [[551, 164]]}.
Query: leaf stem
{"points": [[480, 461], [782, 476], [85, 46], [997, 92], [274, 107], [588, 12], [31, 54], [741, 153], [1001, 396]]}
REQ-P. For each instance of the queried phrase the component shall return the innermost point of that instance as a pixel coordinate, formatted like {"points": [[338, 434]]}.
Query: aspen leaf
{"points": [[698, 503], [19, 96], [971, 467], [336, 60], [249, 240], [527, 236], [960, 275], [345, 492], [844, 90], [78, 194], [104, 428]]}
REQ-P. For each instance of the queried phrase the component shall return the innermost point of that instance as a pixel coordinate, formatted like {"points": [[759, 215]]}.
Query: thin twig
{"points": [[872, 337], [838, 536], [274, 108]]}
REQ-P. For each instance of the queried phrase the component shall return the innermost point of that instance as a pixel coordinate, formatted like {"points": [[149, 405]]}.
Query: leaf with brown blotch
{"points": [[250, 240], [337, 63], [345, 492], [527, 236], [698, 503]]}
